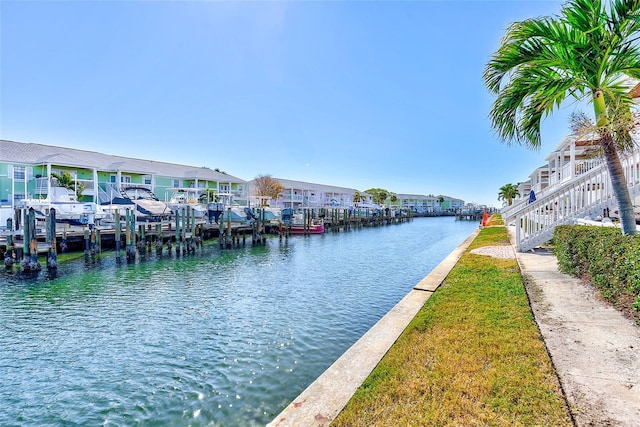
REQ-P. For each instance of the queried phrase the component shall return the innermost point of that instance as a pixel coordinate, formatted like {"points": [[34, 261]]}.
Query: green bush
{"points": [[611, 260]]}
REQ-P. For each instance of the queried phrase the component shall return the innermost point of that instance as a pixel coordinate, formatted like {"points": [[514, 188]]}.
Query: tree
{"points": [[65, 180], [508, 192], [358, 197], [378, 195], [266, 186], [586, 53]]}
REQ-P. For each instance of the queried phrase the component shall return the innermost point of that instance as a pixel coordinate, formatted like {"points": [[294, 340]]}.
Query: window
{"points": [[19, 173], [112, 178], [176, 183], [147, 180], [126, 179]]}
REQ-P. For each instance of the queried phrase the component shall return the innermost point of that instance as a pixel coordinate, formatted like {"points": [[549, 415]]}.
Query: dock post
{"points": [[304, 222], [52, 257], [177, 232], [140, 237], [229, 237], [261, 227], [130, 234], [183, 231], [118, 235], [194, 231], [254, 233], [97, 242], [9, 254], [33, 243], [133, 233], [86, 244], [92, 241], [159, 239], [30, 247], [221, 231], [127, 234], [26, 233], [188, 230]]}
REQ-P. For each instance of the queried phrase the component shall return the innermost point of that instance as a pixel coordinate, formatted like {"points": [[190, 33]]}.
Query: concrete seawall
{"points": [[323, 400]]}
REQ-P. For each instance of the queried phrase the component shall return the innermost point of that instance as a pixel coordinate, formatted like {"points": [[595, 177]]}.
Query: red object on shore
{"points": [[485, 219]]}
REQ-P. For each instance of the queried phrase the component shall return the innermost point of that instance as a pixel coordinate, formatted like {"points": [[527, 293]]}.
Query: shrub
{"points": [[608, 258]]}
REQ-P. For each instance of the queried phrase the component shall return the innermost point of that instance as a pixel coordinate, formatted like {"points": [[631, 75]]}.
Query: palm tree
{"points": [[358, 197], [67, 181], [586, 53], [508, 192]]}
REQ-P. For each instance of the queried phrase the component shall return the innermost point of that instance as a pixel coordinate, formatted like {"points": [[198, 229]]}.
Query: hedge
{"points": [[604, 255]]}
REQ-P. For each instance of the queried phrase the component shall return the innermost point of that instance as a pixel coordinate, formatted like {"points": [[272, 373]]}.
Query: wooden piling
{"points": [[52, 257], [159, 239], [130, 234], [118, 235], [86, 244]]}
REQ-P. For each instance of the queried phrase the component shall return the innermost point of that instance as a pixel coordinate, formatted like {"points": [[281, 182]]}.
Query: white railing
{"points": [[587, 194], [509, 212]]}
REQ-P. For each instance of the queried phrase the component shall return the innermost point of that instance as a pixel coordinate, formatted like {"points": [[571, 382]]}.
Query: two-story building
{"points": [[298, 194], [27, 170]]}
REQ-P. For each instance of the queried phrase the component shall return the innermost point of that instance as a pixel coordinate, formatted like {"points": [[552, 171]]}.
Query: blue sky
{"points": [[359, 94]]}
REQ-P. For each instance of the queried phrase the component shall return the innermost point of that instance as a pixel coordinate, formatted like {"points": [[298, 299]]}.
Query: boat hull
{"points": [[300, 229]]}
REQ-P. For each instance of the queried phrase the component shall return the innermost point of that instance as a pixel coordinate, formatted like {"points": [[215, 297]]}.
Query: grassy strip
{"points": [[472, 356]]}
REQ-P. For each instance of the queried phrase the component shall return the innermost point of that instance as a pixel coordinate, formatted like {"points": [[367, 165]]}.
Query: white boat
{"points": [[68, 208], [188, 197], [262, 210], [144, 203], [226, 209]]}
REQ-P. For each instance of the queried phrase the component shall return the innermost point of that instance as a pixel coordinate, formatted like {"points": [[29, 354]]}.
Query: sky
{"points": [[357, 94]]}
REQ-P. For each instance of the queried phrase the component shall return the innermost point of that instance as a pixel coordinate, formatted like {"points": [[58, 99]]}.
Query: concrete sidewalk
{"points": [[594, 348]]}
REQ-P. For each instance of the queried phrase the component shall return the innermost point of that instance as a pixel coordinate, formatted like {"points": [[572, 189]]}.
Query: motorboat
{"points": [[263, 211], [226, 209], [140, 199], [67, 207], [294, 222], [188, 197]]}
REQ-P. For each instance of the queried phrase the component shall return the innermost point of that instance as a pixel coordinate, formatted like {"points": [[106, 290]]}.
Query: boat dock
{"points": [[469, 215], [25, 239]]}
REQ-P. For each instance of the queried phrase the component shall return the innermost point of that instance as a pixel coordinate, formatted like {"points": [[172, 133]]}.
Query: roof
{"points": [[415, 196], [287, 183], [40, 154]]}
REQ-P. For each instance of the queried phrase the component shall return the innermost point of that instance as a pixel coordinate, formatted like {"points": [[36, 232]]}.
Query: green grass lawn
{"points": [[473, 356]]}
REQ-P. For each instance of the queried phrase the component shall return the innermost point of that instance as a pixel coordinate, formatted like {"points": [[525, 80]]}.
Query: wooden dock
{"points": [[469, 215], [183, 234]]}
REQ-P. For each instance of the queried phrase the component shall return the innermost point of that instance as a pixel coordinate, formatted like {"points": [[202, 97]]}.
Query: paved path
{"points": [[595, 349]]}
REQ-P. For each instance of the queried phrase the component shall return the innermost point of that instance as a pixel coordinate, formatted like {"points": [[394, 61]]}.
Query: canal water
{"points": [[219, 338]]}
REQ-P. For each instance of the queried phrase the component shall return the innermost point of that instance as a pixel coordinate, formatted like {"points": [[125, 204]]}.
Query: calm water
{"points": [[217, 338]]}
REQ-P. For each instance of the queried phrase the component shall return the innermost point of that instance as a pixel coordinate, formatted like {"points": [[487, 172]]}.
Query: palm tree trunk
{"points": [[619, 184]]}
